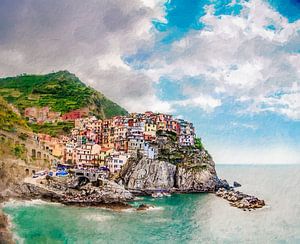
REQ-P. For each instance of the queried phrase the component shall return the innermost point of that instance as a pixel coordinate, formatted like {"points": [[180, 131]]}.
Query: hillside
{"points": [[9, 120], [60, 91]]}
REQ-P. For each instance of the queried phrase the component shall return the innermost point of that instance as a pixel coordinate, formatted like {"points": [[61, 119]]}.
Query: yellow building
{"points": [[150, 129], [55, 147]]}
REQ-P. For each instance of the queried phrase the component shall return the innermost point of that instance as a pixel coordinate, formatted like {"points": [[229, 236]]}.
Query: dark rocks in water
{"points": [[222, 184], [239, 199], [143, 207], [236, 184]]}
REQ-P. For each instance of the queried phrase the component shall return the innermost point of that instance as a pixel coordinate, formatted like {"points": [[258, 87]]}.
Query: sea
{"points": [[181, 218]]}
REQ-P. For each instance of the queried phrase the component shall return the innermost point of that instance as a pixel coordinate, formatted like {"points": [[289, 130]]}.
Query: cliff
{"points": [[176, 169]]}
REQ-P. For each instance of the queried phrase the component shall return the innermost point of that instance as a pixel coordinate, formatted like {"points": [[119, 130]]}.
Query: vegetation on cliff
{"points": [[61, 91], [9, 120], [53, 129], [9, 149], [172, 152]]}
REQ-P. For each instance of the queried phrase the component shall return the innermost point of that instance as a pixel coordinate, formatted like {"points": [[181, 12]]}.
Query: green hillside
{"points": [[9, 120], [61, 91]]}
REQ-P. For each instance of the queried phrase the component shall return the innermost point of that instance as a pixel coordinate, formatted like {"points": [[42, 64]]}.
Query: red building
{"points": [[76, 114]]}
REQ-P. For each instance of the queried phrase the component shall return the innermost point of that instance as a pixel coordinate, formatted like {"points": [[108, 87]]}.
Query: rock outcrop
{"points": [[176, 169], [240, 200], [107, 194], [149, 174], [236, 184]]}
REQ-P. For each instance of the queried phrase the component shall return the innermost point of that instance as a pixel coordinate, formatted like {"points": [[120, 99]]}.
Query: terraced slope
{"points": [[61, 91]]}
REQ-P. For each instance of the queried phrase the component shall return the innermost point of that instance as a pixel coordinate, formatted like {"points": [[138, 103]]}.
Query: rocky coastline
{"points": [[240, 200]]}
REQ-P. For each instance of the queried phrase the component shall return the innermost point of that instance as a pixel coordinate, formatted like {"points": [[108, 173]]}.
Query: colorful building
{"points": [[123, 135], [88, 154], [116, 161], [105, 152]]}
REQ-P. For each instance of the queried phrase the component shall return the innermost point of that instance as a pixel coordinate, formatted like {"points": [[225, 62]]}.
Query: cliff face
{"points": [[149, 174], [180, 169], [198, 175]]}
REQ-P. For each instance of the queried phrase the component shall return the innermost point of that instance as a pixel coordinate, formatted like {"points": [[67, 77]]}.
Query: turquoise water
{"points": [[189, 218]]}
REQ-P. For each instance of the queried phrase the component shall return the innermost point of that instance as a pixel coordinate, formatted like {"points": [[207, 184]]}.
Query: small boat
{"points": [[61, 173], [41, 173]]}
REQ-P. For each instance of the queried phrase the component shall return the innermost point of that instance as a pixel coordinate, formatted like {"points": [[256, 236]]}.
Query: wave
{"points": [[152, 208], [27, 203], [139, 198]]}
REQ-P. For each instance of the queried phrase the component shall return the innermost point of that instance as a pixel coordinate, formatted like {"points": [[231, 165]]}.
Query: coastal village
{"points": [[109, 142]]}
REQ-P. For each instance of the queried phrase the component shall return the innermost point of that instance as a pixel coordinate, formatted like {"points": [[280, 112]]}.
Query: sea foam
{"points": [[98, 218], [27, 203]]}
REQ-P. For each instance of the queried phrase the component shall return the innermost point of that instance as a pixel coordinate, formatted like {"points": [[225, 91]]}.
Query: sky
{"points": [[231, 67]]}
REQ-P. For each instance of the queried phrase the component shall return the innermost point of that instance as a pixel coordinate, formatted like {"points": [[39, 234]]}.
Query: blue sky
{"points": [[232, 67]]}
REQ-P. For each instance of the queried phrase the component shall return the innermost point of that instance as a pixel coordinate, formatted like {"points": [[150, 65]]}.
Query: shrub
{"points": [[19, 150], [198, 143]]}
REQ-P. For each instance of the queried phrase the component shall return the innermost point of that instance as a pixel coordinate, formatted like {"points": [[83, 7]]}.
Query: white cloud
{"points": [[239, 58], [244, 125], [286, 104], [107, 61], [149, 103], [205, 102]]}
